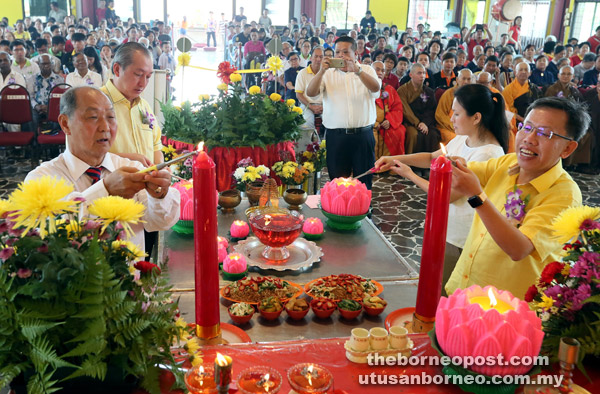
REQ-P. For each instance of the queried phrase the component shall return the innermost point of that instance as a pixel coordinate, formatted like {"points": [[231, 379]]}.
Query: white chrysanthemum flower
{"points": [[239, 173]]}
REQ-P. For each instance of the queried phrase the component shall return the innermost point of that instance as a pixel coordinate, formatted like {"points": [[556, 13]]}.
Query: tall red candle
{"points": [[434, 244], [206, 267]]}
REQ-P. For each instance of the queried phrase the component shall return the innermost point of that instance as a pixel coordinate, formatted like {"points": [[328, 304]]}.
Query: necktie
{"points": [[94, 173]]}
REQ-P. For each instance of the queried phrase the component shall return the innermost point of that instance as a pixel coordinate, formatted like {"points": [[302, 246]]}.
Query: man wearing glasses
{"points": [[516, 197]]}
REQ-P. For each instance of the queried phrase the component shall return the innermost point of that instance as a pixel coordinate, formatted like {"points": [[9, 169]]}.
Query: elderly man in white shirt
{"points": [[88, 119], [349, 112], [83, 76], [7, 75]]}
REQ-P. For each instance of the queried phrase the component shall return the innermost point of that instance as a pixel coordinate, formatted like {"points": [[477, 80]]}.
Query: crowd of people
{"points": [[521, 74]]}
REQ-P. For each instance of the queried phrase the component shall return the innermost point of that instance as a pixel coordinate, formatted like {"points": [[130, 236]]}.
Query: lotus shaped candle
{"points": [[488, 322], [234, 263], [186, 192], [239, 229], [222, 253], [223, 241], [345, 197], [276, 228]]}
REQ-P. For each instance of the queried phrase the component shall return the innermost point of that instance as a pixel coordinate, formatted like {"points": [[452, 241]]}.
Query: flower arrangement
{"points": [[76, 300], [234, 118], [247, 172], [515, 206], [567, 294], [315, 153], [292, 173], [169, 152]]}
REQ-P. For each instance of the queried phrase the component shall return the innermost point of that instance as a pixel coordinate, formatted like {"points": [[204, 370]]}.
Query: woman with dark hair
{"points": [[390, 78], [401, 42], [394, 38], [434, 49], [482, 131], [515, 29], [584, 48], [94, 63], [408, 51]]}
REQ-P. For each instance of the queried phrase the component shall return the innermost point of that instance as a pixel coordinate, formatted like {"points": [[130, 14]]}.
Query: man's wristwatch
{"points": [[360, 71], [477, 200]]}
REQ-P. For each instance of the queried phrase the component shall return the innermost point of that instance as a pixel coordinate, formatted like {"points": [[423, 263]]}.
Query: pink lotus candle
{"points": [[239, 229], [488, 322], [235, 263], [345, 197], [186, 191], [313, 226], [223, 241]]}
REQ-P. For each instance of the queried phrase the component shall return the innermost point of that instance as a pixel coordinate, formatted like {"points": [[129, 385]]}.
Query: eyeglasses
{"points": [[541, 132]]}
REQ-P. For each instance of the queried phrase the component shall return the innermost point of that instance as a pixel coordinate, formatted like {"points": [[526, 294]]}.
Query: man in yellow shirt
{"points": [[510, 253], [139, 134], [20, 33], [443, 112]]}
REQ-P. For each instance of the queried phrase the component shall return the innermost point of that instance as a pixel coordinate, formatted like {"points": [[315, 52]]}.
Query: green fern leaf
{"points": [[32, 328]]}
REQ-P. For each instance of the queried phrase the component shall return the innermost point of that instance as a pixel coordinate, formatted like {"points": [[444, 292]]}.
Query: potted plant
{"points": [[76, 299]]}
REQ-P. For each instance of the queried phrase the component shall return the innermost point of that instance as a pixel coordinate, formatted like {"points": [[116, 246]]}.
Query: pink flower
{"points": [[92, 225], [6, 253], [79, 199], [43, 248], [589, 225], [24, 273]]}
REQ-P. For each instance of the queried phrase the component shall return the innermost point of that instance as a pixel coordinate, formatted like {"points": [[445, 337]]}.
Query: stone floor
{"points": [[398, 205]]}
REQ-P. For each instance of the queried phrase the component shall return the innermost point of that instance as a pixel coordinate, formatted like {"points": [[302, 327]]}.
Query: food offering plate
{"points": [[295, 290], [309, 285], [303, 254]]}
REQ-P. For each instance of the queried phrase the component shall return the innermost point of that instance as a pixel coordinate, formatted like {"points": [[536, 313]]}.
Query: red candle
{"points": [[206, 268], [434, 244]]}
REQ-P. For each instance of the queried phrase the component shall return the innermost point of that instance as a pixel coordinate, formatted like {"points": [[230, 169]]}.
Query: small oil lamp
{"points": [[223, 366], [259, 379], [201, 380], [239, 229], [309, 378]]}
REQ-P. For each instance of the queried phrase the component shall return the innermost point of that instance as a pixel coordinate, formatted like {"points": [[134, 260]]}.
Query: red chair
{"points": [[15, 108], [50, 140]]}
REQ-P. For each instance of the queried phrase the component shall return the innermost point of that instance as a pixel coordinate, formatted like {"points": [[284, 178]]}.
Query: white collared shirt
{"points": [[28, 70], [347, 102], [92, 78], [302, 80], [12, 78], [160, 214]]}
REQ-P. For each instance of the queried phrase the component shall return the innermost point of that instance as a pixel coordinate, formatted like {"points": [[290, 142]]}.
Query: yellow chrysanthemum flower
{"points": [[290, 102], [133, 249], [196, 360], [204, 97], [181, 323], [566, 269], [184, 59], [567, 225], [178, 108], [118, 209], [169, 149], [297, 110], [222, 86], [322, 144], [546, 302], [38, 202], [5, 206], [275, 97], [254, 89], [309, 166], [235, 77], [192, 345]]}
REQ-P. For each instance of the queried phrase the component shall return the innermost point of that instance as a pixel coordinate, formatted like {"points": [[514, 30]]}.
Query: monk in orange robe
{"points": [[388, 130]]}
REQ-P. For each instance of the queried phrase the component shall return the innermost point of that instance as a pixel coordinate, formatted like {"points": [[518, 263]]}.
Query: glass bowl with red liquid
{"points": [[259, 379], [276, 228]]}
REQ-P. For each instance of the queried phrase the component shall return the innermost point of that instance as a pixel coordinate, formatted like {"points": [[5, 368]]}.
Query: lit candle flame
{"points": [[221, 360], [201, 146], [309, 375], [268, 220], [443, 148], [493, 301], [266, 384], [201, 370]]}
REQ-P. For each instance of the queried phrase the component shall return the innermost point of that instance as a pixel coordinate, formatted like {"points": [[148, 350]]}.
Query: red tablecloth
{"points": [[227, 158], [330, 353]]}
